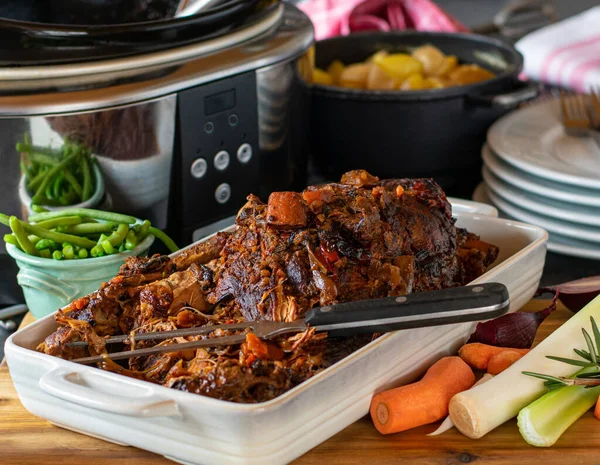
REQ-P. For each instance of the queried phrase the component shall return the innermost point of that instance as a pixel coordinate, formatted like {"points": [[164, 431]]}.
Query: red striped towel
{"points": [[567, 53], [341, 17]]}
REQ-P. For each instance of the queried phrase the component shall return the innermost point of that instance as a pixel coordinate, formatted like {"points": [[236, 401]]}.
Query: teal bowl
{"points": [[51, 284]]}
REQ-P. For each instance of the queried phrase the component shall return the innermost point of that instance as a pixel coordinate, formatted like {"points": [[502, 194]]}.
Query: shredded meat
{"points": [[361, 238]]}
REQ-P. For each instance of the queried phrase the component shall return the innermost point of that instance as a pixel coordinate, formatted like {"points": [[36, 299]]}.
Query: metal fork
{"points": [[575, 115]]}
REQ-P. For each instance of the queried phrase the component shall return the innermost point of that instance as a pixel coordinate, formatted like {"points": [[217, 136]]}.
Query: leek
{"points": [[481, 409], [545, 420]]}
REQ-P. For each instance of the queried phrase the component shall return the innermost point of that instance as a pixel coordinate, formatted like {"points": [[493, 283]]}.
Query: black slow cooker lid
{"points": [[31, 43]]}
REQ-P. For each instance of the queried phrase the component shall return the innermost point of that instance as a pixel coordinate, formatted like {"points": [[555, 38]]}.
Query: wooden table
{"points": [[26, 439]]}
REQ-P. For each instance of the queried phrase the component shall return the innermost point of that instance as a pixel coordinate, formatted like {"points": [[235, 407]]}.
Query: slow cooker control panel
{"points": [[216, 162]]}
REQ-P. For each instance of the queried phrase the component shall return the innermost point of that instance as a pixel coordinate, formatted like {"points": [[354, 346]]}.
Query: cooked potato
{"points": [[322, 77], [355, 76], [426, 68], [335, 69], [470, 74], [378, 79], [414, 82], [377, 56], [399, 65], [431, 57], [450, 63]]}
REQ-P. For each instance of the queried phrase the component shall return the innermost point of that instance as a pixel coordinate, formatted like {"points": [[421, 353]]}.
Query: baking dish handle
{"points": [[83, 389], [46, 283], [508, 100]]}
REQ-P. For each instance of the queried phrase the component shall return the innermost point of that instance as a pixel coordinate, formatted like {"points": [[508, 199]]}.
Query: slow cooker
{"points": [[186, 116]]}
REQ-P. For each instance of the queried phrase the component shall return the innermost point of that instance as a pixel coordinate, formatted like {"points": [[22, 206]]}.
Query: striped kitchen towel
{"points": [[566, 53], [340, 17]]}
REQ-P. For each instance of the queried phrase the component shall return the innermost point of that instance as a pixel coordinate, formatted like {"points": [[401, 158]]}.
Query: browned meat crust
{"points": [[358, 239]]}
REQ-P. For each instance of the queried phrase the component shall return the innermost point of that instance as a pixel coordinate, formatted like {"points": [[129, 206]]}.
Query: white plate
{"points": [[533, 140], [537, 185], [194, 429], [539, 205], [564, 228], [556, 243]]}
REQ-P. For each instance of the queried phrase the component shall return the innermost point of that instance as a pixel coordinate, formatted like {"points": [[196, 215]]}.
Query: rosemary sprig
{"points": [[591, 359]]}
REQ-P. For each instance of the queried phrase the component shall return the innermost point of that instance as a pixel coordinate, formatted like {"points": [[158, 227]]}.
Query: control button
{"points": [[244, 153], [221, 160], [223, 193], [233, 120], [198, 168], [209, 127]]}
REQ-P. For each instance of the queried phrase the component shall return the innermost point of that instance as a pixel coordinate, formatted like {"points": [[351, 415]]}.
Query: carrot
{"points": [[286, 209], [422, 402], [500, 362], [478, 355], [597, 409]]}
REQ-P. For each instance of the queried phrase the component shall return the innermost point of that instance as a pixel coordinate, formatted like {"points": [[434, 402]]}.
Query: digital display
{"points": [[219, 102]]}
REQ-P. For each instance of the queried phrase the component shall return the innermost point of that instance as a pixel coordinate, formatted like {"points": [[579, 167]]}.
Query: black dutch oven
{"points": [[428, 133]]}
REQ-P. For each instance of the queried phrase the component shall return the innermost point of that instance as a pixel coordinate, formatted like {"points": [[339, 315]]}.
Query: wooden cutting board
{"points": [[26, 439]]}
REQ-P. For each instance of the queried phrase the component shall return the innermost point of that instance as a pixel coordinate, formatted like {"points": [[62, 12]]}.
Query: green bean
{"points": [[87, 179], [19, 231], [131, 240], [143, 231], [25, 170], [4, 219], [43, 159], [169, 243], [56, 236], [97, 214], [48, 194], [108, 248], [94, 250], [57, 255], [69, 198], [119, 235], [52, 172], [71, 179], [56, 185], [68, 252], [33, 239], [39, 177], [84, 229], [45, 253], [83, 253], [27, 147], [101, 253], [46, 201], [38, 208], [12, 239], [55, 222]]}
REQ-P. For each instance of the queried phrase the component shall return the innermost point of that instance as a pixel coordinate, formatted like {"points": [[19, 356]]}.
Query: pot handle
{"points": [[48, 284], [96, 391], [508, 100]]}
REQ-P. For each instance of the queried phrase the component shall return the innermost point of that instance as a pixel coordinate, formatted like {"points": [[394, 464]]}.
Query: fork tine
{"points": [[595, 107], [563, 106]]}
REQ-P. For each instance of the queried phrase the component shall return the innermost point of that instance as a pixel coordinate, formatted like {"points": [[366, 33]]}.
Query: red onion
{"points": [[576, 294], [518, 329]]}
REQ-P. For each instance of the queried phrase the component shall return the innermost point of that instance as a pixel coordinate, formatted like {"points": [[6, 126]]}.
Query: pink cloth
{"points": [[566, 53], [341, 17]]}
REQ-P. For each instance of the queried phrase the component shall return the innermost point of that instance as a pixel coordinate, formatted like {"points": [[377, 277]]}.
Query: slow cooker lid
{"points": [[32, 44], [284, 34]]}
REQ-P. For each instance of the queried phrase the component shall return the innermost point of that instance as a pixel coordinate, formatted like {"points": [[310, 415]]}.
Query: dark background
{"points": [[470, 12]]}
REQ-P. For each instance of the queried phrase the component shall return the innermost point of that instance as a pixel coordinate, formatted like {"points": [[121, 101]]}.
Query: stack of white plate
{"points": [[535, 173]]}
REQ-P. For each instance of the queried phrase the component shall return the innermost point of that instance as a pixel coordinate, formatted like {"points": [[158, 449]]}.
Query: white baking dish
{"points": [[192, 429]]}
